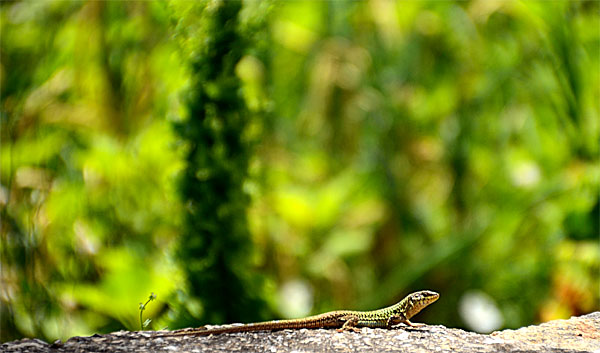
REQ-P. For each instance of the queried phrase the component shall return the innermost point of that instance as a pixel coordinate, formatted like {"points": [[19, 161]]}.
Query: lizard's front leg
{"points": [[349, 324], [394, 320]]}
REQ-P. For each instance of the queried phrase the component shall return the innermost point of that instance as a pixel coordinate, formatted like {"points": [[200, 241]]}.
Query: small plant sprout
{"points": [[142, 307]]}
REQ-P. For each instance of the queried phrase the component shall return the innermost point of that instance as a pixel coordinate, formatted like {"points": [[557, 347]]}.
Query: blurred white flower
{"points": [[295, 299], [525, 174], [479, 312]]}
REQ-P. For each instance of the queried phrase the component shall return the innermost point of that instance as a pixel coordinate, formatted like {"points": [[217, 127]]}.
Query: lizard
{"points": [[343, 320]]}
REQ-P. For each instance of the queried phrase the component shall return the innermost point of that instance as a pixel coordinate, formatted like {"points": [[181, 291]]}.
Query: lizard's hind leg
{"points": [[397, 319], [349, 324]]}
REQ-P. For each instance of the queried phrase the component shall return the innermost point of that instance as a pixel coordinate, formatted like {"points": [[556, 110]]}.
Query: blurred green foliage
{"points": [[214, 244], [328, 154]]}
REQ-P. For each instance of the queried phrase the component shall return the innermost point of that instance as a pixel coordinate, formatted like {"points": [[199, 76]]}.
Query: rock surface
{"points": [[578, 334]]}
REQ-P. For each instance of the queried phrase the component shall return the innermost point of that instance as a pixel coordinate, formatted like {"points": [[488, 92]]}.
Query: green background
{"points": [[256, 160]]}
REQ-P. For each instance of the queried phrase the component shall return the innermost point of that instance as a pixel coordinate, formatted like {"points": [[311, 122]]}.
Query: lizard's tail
{"points": [[317, 321], [308, 322]]}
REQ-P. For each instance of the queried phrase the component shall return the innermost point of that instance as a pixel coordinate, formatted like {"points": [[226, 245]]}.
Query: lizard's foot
{"points": [[412, 325], [349, 328]]}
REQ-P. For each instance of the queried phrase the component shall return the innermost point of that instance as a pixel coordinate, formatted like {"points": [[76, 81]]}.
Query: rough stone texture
{"points": [[578, 334]]}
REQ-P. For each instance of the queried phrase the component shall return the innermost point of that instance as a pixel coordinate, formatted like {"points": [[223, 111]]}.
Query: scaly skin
{"points": [[398, 313]]}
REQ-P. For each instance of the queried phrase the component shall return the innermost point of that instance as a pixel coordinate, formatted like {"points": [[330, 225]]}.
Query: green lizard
{"points": [[398, 313]]}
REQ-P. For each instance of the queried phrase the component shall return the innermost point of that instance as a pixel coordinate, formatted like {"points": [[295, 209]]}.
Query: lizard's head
{"points": [[419, 300]]}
